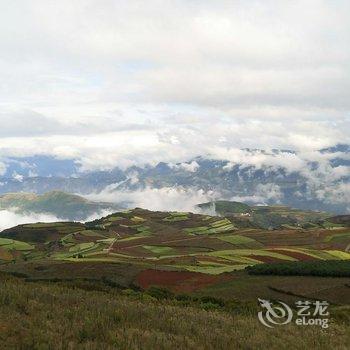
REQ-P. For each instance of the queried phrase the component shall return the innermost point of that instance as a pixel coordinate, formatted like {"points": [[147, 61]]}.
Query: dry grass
{"points": [[39, 316]]}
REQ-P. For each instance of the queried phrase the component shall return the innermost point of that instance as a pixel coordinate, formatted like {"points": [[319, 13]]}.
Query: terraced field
{"points": [[164, 241]]}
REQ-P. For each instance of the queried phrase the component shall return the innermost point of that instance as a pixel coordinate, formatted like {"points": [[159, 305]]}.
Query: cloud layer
{"points": [[10, 218], [118, 81], [163, 199]]}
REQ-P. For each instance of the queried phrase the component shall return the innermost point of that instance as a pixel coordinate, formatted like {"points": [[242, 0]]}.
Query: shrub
{"points": [[325, 268]]}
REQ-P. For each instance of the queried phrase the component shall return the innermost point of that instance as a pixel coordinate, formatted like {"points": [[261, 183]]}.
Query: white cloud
{"points": [[269, 192], [17, 177], [10, 218], [3, 168], [190, 166], [178, 198], [99, 215], [262, 159], [117, 82], [335, 194], [166, 198], [264, 194]]}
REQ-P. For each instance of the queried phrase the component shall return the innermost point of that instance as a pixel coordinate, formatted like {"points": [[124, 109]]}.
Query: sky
{"points": [[123, 82]]}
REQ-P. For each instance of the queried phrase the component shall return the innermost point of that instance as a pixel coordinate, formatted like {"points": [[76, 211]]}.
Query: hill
{"points": [[60, 204], [226, 207], [341, 220], [265, 216], [41, 232], [178, 250]]}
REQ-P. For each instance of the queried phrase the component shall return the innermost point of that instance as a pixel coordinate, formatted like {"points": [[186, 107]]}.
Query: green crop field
{"points": [[160, 250], [11, 244], [238, 240], [215, 270], [214, 227], [338, 237], [251, 252], [176, 216]]}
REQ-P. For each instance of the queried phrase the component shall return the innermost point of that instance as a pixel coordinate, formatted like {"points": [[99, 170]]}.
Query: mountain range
{"points": [[310, 180]]}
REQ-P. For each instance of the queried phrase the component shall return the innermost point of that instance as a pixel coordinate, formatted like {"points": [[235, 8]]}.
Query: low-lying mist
{"points": [[9, 218], [165, 199], [162, 199]]}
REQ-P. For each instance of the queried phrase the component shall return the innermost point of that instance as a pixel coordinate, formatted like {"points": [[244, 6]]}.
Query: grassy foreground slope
{"points": [[46, 316]]}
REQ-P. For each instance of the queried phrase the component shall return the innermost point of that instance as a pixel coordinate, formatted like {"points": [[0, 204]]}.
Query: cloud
{"points": [[17, 177], [291, 162], [175, 145], [16, 123], [190, 166], [3, 168], [99, 214], [264, 194], [335, 194], [180, 199], [166, 198], [10, 218], [122, 83]]}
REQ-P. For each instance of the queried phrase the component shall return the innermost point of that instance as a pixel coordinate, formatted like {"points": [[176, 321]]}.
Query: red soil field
{"points": [[5, 254], [296, 255], [179, 281], [137, 251]]}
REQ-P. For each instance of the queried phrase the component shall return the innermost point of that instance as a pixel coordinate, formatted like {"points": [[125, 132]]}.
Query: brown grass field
{"points": [[47, 316]]}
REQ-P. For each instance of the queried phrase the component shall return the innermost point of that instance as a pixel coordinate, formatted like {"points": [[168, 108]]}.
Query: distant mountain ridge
{"points": [[60, 204], [256, 177]]}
